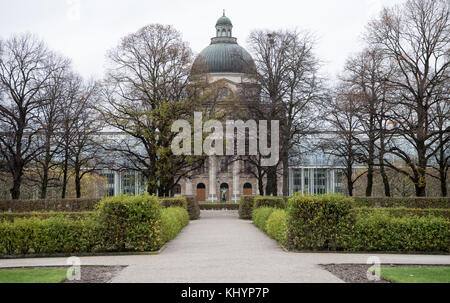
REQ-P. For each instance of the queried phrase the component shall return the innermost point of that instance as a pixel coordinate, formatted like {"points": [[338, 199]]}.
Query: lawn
{"points": [[49, 275], [416, 274]]}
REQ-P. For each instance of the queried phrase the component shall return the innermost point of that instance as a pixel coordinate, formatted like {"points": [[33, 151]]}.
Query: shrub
{"points": [[131, 223], [276, 202], [193, 208], [260, 216], [58, 234], [43, 215], [409, 202], [69, 205], [404, 212], [173, 202], [246, 207], [380, 232], [173, 220], [276, 225], [320, 222], [219, 206]]}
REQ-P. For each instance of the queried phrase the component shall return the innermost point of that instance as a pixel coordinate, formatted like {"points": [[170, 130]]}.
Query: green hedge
{"points": [[409, 202], [219, 206], [7, 216], [193, 207], [380, 232], [132, 223], [320, 222], [173, 202], [246, 207], [173, 219], [49, 236], [261, 215], [276, 225], [276, 202], [66, 205], [404, 212]]}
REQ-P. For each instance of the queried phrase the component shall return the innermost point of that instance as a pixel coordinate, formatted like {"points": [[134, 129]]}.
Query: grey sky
{"points": [[84, 30]]}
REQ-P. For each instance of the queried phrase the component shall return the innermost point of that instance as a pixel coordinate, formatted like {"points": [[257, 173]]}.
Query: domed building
{"points": [[228, 67]]}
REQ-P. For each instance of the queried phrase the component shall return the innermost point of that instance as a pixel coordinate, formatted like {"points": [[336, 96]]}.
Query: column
{"points": [[291, 181], [212, 179], [236, 183], [116, 183], [188, 191]]}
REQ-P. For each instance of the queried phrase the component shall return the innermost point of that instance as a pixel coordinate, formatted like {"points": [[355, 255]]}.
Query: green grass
{"points": [[49, 275], [416, 274]]}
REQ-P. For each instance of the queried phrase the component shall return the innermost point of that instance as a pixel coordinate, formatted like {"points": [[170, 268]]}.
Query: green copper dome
{"points": [[224, 55]]}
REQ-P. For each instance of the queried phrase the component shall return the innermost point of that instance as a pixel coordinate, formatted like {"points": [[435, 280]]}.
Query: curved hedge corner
{"points": [[261, 215], [173, 219], [276, 202], [131, 223], [246, 207], [193, 207], [276, 225], [320, 222], [173, 202]]}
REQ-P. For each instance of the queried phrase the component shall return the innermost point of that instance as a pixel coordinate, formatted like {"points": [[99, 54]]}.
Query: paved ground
{"points": [[222, 248]]}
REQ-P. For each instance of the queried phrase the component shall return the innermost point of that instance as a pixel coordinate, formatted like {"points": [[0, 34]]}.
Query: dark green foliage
{"points": [[320, 222], [219, 206], [67, 205], [276, 202], [261, 215], [380, 232], [132, 223], [403, 212], [54, 235], [246, 207], [173, 202], [409, 202], [193, 207], [173, 219], [276, 225], [43, 215]]}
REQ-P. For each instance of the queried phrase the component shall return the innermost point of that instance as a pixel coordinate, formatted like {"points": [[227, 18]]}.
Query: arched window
{"points": [[224, 92]]}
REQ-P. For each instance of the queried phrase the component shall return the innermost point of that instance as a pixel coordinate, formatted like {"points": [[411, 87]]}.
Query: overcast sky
{"points": [[84, 30]]}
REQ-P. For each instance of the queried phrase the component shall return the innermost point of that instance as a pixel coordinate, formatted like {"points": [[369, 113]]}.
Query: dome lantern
{"points": [[224, 27]]}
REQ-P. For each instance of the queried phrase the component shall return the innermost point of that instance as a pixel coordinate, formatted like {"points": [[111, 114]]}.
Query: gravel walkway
{"points": [[222, 248]]}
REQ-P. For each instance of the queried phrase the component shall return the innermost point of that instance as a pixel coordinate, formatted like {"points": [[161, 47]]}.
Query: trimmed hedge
{"points": [[320, 222], [261, 215], [54, 235], [173, 219], [400, 212], [276, 202], [67, 205], [380, 232], [173, 202], [132, 223], [219, 206], [276, 225], [246, 207], [409, 202], [193, 207], [43, 215]]}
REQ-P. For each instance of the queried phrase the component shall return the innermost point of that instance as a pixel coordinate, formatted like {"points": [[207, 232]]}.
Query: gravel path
{"points": [[222, 248]]}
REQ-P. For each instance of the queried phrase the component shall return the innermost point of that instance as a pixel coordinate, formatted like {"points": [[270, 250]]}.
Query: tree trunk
{"points": [[17, 182], [44, 183], [443, 180], [271, 187], [369, 186], [65, 173], [285, 174]]}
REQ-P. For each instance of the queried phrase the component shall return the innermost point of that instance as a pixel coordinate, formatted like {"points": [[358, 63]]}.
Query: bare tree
{"points": [[25, 68], [342, 124], [416, 38], [287, 72], [365, 74]]}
